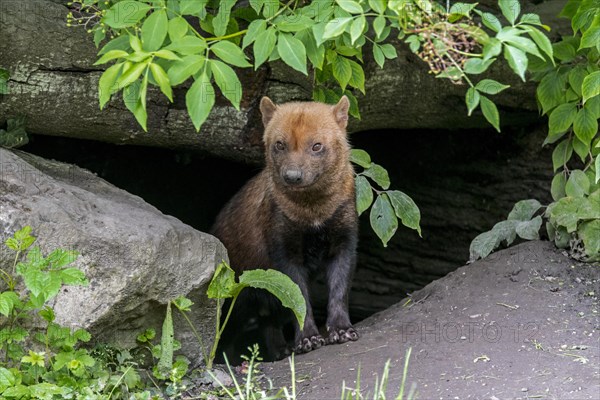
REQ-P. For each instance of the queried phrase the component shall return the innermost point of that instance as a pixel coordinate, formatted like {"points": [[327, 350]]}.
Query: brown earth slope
{"points": [[523, 323]]}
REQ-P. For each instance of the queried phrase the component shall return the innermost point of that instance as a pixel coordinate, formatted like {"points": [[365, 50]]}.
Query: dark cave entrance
{"points": [[464, 181]]}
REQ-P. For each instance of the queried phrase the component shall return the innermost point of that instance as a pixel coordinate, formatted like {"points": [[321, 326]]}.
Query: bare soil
{"points": [[522, 324]]}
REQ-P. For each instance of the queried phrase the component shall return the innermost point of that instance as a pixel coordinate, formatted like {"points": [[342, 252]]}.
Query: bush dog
{"points": [[297, 216]]}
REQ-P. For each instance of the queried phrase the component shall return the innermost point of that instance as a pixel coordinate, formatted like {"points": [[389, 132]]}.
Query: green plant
{"points": [[251, 387], [569, 93], [48, 362], [224, 286], [381, 384], [390, 205]]}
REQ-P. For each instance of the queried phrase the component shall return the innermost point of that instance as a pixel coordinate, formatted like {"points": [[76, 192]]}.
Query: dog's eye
{"points": [[317, 147], [279, 146]]}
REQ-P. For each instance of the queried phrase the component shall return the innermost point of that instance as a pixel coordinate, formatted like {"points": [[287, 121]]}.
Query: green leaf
{"points": [[255, 28], [223, 284], [591, 86], [264, 46], [383, 218], [7, 379], [566, 49], [165, 362], [491, 21], [271, 7], [281, 286], [178, 28], [589, 232], [490, 112], [576, 77], [517, 60], [472, 99], [532, 19], [550, 91], [585, 126], [379, 175], [342, 71], [6, 301], [490, 86], [316, 54], [529, 230], [230, 53], [61, 258], [512, 36], [483, 245], [406, 209], [228, 82], [378, 25], [378, 6], [597, 169], [296, 24], [107, 84], [183, 303], [360, 157], [590, 38], [541, 40], [524, 210], [364, 194], [23, 233], [188, 45], [134, 97], [118, 43], [477, 65], [506, 231], [125, 13], [12, 244], [510, 9], [561, 118], [562, 154], [292, 52], [131, 75], [558, 186], [378, 55], [167, 55], [568, 211], [200, 100], [111, 55], [154, 30], [357, 80], [160, 76], [578, 184], [336, 27], [221, 20], [459, 10], [389, 51], [357, 28], [182, 70], [73, 276], [350, 6], [192, 7]]}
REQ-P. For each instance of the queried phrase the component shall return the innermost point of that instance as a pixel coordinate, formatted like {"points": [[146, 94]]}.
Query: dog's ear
{"points": [[267, 109], [340, 112]]}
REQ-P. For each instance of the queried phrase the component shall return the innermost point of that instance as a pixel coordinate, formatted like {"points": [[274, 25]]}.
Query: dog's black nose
{"points": [[292, 176]]}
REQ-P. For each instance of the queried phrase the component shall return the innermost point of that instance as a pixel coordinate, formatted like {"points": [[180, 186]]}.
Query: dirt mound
{"points": [[523, 323]]}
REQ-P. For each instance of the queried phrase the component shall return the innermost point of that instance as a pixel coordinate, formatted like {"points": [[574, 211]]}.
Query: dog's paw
{"points": [[310, 343], [342, 335]]}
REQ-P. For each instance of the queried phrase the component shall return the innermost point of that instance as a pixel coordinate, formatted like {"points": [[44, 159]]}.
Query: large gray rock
{"points": [[135, 257]]}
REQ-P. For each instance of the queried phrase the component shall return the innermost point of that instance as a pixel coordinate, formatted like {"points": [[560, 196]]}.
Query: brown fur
{"points": [[263, 223]]}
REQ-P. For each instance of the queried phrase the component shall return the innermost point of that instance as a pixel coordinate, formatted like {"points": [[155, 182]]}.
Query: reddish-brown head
{"points": [[306, 143]]}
